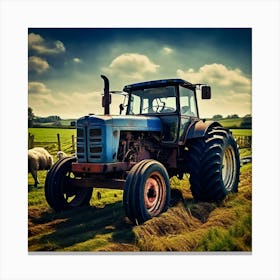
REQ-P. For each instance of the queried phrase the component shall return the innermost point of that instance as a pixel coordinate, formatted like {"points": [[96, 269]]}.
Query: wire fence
{"points": [[57, 145]]}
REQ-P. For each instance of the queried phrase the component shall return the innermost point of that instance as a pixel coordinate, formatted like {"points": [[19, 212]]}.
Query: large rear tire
{"points": [[146, 191], [213, 164], [59, 194]]}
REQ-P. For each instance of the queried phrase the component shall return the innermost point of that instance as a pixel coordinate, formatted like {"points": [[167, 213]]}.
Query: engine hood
{"points": [[130, 123]]}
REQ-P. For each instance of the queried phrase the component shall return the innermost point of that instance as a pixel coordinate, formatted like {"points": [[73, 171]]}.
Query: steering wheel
{"points": [[161, 107]]}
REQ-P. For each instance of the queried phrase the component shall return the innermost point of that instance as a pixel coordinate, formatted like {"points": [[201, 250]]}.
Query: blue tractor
{"points": [[159, 136]]}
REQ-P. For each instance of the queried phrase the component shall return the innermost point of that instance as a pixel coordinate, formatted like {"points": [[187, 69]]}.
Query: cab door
{"points": [[188, 109]]}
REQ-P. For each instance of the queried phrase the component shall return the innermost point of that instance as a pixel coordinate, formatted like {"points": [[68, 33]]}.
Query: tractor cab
{"points": [[172, 100]]}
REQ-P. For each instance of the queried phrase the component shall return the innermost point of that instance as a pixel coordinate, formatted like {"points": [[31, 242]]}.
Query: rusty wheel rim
{"points": [[229, 168], [154, 194]]}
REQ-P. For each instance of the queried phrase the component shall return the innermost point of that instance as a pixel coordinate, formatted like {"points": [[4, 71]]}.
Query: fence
{"points": [[32, 143], [244, 141]]}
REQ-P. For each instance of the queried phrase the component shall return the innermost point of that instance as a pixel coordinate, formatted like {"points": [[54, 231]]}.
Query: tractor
{"points": [[157, 135]]}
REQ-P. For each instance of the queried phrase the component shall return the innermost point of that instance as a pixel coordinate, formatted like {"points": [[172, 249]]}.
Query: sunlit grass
{"points": [[47, 138], [186, 226], [235, 122], [242, 132]]}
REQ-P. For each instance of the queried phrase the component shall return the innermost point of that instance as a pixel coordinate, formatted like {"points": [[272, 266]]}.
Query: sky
{"points": [[65, 64]]}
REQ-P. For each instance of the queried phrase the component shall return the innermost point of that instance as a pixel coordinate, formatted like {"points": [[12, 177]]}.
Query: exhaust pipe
{"points": [[106, 99]]}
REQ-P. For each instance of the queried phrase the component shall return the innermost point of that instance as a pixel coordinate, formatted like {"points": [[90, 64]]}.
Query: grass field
{"points": [[241, 132], [186, 226], [47, 138], [235, 122]]}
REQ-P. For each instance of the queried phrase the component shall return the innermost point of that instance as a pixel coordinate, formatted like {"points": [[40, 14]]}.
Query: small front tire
{"points": [[146, 191]]}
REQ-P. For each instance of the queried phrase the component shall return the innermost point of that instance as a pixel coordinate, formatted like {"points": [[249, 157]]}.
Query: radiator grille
{"points": [[89, 144], [95, 143]]}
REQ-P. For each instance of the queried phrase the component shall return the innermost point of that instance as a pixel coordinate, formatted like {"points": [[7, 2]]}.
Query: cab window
{"points": [[160, 100], [187, 102]]}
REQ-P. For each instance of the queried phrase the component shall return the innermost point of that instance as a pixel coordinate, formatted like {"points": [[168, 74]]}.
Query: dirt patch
{"points": [[202, 210]]}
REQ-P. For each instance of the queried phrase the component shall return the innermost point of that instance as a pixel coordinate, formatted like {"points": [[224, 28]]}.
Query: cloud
{"points": [[77, 60], [35, 39], [166, 51], [132, 65], [37, 88], [37, 64], [218, 75], [38, 44], [66, 105], [231, 89]]}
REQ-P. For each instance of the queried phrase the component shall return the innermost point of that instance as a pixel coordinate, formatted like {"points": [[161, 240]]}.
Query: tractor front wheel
{"points": [[59, 193], [146, 191]]}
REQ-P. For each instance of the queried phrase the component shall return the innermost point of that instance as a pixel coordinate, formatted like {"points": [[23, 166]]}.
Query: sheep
{"points": [[38, 159], [60, 155]]}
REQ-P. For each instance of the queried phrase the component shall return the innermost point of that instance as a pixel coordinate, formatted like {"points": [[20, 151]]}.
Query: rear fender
{"points": [[199, 129]]}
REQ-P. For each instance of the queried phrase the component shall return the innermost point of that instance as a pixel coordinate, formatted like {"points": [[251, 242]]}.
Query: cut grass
{"points": [[202, 226], [186, 226]]}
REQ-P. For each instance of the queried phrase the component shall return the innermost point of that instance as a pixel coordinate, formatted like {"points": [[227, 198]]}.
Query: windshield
{"points": [[158, 100]]}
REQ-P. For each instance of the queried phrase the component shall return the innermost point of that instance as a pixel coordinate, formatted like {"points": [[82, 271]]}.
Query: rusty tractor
{"points": [[157, 135]]}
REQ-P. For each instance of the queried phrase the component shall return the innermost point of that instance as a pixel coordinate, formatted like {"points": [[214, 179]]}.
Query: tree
{"points": [[217, 117], [246, 122], [234, 116], [31, 117]]}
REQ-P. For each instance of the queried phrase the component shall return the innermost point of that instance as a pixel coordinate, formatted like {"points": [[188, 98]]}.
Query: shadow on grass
{"points": [[198, 209], [67, 228], [95, 228]]}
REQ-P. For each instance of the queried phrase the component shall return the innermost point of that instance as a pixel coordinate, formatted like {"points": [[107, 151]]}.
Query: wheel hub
{"points": [[151, 192]]}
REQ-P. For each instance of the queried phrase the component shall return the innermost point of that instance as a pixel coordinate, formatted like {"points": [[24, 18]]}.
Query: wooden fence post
{"points": [[58, 142], [29, 144], [73, 144], [30, 141]]}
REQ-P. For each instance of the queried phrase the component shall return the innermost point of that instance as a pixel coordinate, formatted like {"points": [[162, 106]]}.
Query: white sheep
{"points": [[38, 159], [60, 155]]}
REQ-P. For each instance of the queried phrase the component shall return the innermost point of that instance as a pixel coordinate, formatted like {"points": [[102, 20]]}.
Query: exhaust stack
{"points": [[106, 98]]}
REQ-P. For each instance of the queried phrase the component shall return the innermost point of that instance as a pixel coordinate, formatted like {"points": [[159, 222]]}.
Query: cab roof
{"points": [[157, 83]]}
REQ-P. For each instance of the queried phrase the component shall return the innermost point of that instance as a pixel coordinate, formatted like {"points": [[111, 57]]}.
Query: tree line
{"points": [[234, 116], [34, 120], [246, 121]]}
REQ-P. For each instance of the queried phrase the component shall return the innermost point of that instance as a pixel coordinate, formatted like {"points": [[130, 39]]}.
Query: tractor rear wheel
{"points": [[146, 191], [213, 165], [59, 193]]}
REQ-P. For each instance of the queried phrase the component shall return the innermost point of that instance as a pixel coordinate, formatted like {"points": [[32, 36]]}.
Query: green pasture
{"points": [[47, 138], [50, 134], [235, 122], [241, 132]]}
